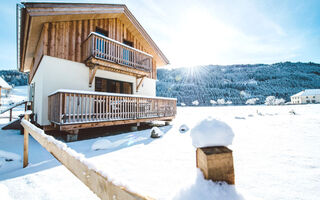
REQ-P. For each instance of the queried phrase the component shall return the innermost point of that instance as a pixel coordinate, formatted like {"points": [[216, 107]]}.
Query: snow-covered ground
{"points": [[276, 156]]}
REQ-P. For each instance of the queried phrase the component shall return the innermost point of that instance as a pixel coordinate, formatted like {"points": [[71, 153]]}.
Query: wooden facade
{"points": [[66, 40]]}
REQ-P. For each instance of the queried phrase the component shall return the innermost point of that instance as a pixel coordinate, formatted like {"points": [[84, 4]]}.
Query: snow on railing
{"points": [[95, 179], [12, 107]]}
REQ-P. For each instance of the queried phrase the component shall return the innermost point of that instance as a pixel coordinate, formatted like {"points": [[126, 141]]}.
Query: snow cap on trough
{"points": [[210, 132]]}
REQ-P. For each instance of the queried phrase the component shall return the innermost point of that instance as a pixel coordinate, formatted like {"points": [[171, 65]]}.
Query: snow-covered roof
{"points": [[308, 92], [4, 84]]}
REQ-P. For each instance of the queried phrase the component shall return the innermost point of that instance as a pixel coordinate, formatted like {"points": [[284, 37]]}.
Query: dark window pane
{"points": [[127, 42], [101, 31], [113, 86]]}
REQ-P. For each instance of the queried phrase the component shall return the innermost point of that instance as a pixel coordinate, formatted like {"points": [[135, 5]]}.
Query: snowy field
{"points": [[276, 156]]}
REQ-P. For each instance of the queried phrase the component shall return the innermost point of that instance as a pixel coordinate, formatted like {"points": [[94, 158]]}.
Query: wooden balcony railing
{"points": [[72, 107], [107, 49]]}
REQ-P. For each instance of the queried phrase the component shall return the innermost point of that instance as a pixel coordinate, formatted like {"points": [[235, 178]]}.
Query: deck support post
{"points": [[135, 127], [216, 163], [25, 143], [72, 135]]}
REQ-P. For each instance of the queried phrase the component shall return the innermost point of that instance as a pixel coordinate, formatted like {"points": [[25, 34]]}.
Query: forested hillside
{"points": [[237, 83], [14, 78]]}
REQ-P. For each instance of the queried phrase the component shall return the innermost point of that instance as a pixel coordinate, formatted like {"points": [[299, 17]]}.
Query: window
{"points": [[308, 101], [127, 54], [127, 42], [102, 31], [313, 101], [108, 85]]}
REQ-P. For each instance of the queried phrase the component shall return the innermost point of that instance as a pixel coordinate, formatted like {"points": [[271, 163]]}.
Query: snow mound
{"points": [[155, 132], [196, 102], [4, 192], [183, 128], [8, 156], [102, 144], [208, 190], [211, 132]]}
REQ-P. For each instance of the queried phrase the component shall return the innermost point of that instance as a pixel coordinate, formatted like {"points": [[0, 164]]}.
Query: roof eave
{"points": [[125, 11]]}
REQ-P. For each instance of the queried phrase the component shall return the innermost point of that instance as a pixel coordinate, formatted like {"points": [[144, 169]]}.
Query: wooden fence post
{"points": [[216, 163], [10, 115], [25, 143]]}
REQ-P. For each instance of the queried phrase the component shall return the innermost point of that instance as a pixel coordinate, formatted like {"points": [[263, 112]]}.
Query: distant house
{"points": [[4, 86], [306, 96], [90, 65]]}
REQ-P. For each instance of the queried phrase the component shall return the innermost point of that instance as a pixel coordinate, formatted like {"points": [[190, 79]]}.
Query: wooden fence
{"points": [[77, 164], [71, 107], [104, 48], [12, 107]]}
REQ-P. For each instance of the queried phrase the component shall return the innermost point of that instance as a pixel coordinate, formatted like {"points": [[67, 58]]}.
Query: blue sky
{"points": [[199, 32]]}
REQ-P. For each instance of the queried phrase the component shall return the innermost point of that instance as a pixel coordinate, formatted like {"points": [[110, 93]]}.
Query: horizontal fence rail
{"points": [[104, 48], [72, 107]]}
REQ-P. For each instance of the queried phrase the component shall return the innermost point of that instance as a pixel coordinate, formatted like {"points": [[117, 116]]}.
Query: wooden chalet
{"points": [[90, 65]]}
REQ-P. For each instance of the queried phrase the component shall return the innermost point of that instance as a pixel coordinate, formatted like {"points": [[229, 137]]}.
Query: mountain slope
{"points": [[237, 83]]}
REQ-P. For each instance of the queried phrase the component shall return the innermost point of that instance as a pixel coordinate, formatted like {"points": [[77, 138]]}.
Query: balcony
{"points": [[73, 109], [115, 56]]}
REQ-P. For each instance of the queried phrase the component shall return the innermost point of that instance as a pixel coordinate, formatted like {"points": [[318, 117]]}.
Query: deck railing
{"points": [[104, 48], [72, 107]]}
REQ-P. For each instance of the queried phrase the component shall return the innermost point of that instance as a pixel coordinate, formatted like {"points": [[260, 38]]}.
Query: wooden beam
{"points": [[109, 66], [92, 74], [139, 84], [79, 166], [65, 127]]}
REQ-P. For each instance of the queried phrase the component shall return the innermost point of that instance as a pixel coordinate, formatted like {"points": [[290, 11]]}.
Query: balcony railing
{"points": [[106, 49], [72, 107]]}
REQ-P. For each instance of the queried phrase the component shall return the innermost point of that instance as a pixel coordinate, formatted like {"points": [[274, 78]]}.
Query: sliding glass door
{"points": [[113, 86]]}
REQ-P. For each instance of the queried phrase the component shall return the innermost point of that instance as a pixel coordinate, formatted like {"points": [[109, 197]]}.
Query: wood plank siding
{"points": [[64, 40]]}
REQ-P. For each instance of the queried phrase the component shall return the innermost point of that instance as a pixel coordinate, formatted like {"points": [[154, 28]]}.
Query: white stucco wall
{"points": [[55, 73], [147, 88], [303, 99]]}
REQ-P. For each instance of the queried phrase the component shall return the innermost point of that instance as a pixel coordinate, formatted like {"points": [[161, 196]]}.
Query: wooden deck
{"points": [[115, 56], [69, 110]]}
